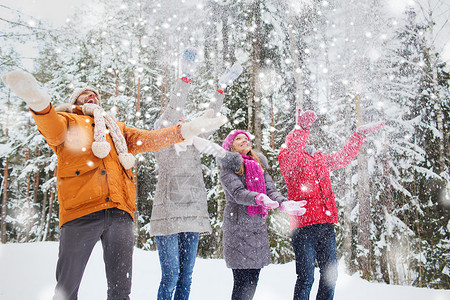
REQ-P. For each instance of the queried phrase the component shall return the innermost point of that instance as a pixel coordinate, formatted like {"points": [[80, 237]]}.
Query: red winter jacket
{"points": [[308, 177]]}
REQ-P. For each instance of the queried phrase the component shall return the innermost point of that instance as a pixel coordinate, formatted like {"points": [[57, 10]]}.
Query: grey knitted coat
{"points": [[245, 237], [180, 203]]}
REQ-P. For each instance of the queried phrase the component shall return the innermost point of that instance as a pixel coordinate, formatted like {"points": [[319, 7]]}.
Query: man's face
{"points": [[87, 97]]}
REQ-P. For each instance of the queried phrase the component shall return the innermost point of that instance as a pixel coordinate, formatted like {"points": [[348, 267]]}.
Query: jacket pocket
{"points": [[81, 185]]}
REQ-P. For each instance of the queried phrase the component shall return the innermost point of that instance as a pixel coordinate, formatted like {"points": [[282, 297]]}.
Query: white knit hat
{"points": [[73, 98]]}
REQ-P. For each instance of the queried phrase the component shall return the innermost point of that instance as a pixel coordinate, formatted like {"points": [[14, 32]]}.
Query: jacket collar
{"points": [[69, 108]]}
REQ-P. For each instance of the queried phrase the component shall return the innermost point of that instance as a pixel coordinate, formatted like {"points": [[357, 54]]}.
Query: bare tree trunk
{"points": [[225, 43], [43, 209], [4, 186], [220, 209], [50, 209], [165, 85], [296, 65], [5, 194], [37, 153], [255, 84], [431, 51], [364, 206], [27, 198], [272, 123], [348, 205], [138, 88]]}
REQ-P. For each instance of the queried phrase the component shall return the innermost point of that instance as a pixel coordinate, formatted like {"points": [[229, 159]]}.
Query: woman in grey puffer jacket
{"points": [[249, 193], [180, 211]]}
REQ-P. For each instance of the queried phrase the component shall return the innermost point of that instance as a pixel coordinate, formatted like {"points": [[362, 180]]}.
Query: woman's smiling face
{"points": [[241, 144]]}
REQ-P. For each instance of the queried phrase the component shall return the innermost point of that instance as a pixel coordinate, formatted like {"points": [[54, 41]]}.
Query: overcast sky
{"points": [[57, 11]]}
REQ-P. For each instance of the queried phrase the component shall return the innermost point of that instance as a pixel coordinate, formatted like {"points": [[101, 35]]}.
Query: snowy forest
{"points": [[352, 62]]}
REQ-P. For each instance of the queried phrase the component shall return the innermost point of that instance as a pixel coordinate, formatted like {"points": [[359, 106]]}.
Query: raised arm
{"points": [[346, 154], [352, 147], [292, 150], [174, 110], [225, 80], [51, 125]]}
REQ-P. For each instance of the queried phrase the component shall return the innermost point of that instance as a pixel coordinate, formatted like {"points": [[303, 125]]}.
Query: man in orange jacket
{"points": [[96, 188]]}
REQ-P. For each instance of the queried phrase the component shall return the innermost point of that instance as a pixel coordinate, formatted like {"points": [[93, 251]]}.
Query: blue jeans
{"points": [[315, 243], [177, 253]]}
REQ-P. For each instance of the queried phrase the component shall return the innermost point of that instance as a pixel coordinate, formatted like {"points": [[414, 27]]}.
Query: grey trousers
{"points": [[114, 228]]}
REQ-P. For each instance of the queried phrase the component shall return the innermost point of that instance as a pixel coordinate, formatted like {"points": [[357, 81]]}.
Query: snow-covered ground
{"points": [[27, 273]]}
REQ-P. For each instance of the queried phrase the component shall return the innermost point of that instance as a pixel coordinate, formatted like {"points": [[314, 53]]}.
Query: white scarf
{"points": [[100, 147]]}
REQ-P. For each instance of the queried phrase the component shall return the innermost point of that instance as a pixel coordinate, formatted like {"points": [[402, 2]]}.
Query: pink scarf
{"points": [[254, 178]]}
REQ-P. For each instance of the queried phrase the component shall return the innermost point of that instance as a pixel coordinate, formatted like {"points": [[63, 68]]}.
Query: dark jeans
{"points": [[315, 243], [177, 253], [114, 228], [245, 281]]}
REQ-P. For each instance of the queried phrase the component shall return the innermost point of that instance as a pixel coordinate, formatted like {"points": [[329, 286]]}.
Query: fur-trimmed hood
{"points": [[233, 161]]}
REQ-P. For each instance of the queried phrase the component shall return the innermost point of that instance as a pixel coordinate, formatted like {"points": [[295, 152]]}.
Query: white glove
{"points": [[230, 75], [292, 207], [26, 87], [208, 147], [266, 202], [182, 146], [202, 124], [188, 62]]}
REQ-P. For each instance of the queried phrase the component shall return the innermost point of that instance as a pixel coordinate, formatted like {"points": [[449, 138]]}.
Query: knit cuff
{"points": [[185, 79], [43, 112], [179, 132]]}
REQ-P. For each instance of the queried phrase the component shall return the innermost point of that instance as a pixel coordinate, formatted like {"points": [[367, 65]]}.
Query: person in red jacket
{"points": [[307, 176]]}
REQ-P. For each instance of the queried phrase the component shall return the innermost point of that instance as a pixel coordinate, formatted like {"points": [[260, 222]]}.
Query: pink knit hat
{"points": [[228, 141]]}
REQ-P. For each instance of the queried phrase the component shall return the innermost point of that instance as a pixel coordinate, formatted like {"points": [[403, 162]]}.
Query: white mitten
{"points": [[293, 207], [26, 87], [188, 62], [208, 147], [202, 124], [230, 75], [182, 146], [266, 202]]}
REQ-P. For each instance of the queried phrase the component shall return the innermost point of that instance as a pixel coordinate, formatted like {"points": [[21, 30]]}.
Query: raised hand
{"points": [[208, 147], [306, 119], [26, 87], [264, 201], [293, 207], [230, 75], [189, 62], [205, 123]]}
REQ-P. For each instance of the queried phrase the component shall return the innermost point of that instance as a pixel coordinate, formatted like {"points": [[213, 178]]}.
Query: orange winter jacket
{"points": [[86, 183]]}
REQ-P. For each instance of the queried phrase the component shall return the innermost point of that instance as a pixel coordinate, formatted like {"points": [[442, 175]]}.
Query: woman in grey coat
{"points": [[180, 211], [249, 194]]}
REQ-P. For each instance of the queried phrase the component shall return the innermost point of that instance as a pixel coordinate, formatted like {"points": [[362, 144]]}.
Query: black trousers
{"points": [[245, 281], [114, 228]]}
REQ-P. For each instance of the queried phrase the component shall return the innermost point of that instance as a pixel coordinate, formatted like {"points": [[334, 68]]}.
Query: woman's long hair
{"points": [[256, 157]]}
